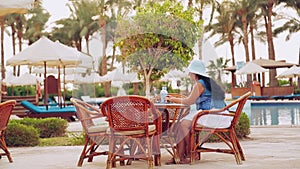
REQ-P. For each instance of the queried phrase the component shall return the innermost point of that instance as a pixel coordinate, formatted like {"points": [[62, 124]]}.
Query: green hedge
{"points": [[27, 131], [21, 135], [243, 126], [47, 127]]}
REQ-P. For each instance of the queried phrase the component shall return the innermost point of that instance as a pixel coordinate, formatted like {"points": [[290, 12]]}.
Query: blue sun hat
{"points": [[197, 67]]}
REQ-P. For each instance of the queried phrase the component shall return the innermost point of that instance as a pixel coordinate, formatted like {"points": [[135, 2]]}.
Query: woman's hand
{"points": [[169, 98]]}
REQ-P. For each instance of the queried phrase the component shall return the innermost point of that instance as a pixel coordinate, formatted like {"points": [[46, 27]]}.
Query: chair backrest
{"points": [[5, 112], [86, 98], [239, 103], [129, 112], [59, 99], [86, 113]]}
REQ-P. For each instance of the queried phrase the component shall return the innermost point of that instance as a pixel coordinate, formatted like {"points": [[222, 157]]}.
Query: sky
{"points": [[284, 50]]}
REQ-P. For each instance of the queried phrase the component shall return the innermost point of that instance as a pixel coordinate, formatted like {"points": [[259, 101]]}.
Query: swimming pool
{"points": [[273, 112]]}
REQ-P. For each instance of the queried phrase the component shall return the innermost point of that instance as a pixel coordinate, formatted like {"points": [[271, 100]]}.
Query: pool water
{"points": [[274, 112], [269, 112]]}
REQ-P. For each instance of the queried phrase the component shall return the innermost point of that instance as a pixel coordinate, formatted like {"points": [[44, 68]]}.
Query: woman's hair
{"points": [[217, 92]]}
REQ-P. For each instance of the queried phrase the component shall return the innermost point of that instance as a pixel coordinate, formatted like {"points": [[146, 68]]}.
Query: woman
{"points": [[206, 94]]}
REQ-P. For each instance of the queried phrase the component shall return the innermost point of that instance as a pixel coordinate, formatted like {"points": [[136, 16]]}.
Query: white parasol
{"points": [[47, 53], [23, 80], [118, 75], [293, 71], [250, 68], [15, 6]]}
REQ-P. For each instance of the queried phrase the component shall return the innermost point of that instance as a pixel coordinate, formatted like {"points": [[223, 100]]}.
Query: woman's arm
{"points": [[191, 99]]}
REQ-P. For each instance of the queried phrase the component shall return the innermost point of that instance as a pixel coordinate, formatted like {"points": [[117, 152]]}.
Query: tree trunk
{"points": [[20, 36], [246, 46], [104, 58], [230, 39], [2, 48], [148, 85], [252, 43], [13, 35], [200, 44], [272, 72], [252, 46]]}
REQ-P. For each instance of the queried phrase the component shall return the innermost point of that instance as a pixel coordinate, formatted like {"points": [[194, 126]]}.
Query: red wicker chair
{"points": [[94, 125], [135, 128], [5, 112], [226, 134]]}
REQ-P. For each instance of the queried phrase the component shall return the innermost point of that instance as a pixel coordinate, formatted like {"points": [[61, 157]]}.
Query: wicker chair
{"points": [[227, 134], [94, 125], [135, 128], [5, 112]]}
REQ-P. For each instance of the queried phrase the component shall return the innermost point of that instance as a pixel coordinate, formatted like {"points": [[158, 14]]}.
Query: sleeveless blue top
{"points": [[205, 101]]}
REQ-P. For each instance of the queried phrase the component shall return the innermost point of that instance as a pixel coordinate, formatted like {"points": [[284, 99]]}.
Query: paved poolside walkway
{"points": [[268, 148]]}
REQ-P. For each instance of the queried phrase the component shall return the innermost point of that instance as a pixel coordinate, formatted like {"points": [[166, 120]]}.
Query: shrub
{"points": [[21, 135], [78, 139], [243, 126], [51, 127], [47, 127]]}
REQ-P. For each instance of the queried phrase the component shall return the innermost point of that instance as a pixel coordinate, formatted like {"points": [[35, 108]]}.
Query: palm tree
{"points": [[16, 23], [245, 9], [267, 7], [83, 12], [67, 32], [225, 26], [199, 5], [20, 22], [108, 13], [118, 9], [267, 10], [36, 23], [245, 12], [293, 23], [11, 22], [216, 69]]}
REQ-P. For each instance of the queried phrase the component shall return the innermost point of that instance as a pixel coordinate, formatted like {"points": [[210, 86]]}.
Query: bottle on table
{"points": [[163, 94]]}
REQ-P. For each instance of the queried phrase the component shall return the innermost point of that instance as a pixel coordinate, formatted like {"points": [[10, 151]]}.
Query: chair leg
{"points": [[156, 151], [157, 161], [83, 153], [240, 150], [109, 161], [91, 152], [235, 148], [5, 149], [193, 150], [110, 158], [149, 153]]}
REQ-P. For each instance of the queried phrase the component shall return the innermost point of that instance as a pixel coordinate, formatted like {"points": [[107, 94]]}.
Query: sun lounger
{"points": [[34, 111], [255, 97], [259, 97], [288, 97]]}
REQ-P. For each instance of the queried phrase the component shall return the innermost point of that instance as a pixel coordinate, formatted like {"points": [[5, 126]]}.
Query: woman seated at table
{"points": [[206, 94]]}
